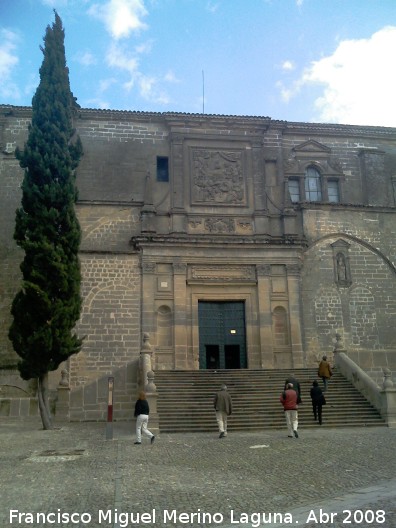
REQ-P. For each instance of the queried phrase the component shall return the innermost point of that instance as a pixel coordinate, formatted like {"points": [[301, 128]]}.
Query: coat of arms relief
{"points": [[217, 177]]}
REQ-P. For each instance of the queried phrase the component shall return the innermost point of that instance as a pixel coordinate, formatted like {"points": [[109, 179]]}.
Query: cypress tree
{"points": [[48, 305]]}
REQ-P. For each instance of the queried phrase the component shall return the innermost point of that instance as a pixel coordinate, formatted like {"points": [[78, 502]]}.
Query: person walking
{"points": [[296, 386], [325, 372], [223, 406], [318, 400], [142, 411], [288, 399]]}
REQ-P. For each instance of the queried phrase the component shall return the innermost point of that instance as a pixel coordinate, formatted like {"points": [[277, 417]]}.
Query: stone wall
{"points": [[363, 311], [144, 242]]}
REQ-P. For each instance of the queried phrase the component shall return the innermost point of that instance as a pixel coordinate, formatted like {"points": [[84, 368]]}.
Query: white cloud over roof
{"points": [[358, 81], [8, 60], [121, 17]]}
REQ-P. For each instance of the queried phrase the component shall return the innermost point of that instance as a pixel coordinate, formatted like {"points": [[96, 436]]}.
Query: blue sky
{"points": [[297, 60]]}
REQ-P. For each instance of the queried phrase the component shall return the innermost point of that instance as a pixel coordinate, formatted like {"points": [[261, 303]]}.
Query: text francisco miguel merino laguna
{"points": [[165, 517]]}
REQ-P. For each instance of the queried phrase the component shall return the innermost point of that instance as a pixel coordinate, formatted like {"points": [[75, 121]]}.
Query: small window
{"points": [[294, 190], [313, 191], [162, 169], [333, 191]]}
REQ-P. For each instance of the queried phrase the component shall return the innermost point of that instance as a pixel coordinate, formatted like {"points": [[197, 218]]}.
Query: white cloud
{"points": [[148, 86], [358, 82], [8, 61], [86, 58], [212, 7], [54, 3], [96, 102], [287, 65], [117, 58], [121, 17], [170, 77], [149, 90], [105, 84], [145, 47]]}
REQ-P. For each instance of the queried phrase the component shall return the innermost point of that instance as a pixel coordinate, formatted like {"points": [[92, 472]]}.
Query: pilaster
{"points": [[148, 296], [180, 322], [179, 222], [265, 320], [293, 284]]}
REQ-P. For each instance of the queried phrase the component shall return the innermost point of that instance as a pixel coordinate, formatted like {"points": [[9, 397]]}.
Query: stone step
{"points": [[185, 400]]}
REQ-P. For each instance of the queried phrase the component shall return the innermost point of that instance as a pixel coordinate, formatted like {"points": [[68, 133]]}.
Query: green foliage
{"points": [[48, 305]]}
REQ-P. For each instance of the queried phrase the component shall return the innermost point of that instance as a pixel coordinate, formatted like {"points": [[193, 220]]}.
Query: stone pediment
{"points": [[340, 244], [311, 147], [313, 153]]}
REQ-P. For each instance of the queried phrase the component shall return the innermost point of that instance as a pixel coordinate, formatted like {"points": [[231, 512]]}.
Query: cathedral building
{"points": [[231, 242]]}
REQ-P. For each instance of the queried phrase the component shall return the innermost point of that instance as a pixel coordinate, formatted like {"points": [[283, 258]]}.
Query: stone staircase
{"points": [[185, 400]]}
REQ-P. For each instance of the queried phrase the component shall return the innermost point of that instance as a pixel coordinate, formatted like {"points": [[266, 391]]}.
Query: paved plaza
{"points": [[73, 476]]}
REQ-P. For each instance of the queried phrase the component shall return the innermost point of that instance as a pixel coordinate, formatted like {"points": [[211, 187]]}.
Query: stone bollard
{"points": [[62, 408], [389, 399], [152, 396]]}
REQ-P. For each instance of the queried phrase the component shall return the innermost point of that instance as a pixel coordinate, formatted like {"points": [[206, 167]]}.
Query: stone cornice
{"points": [[342, 207], [180, 119], [140, 241], [337, 129]]}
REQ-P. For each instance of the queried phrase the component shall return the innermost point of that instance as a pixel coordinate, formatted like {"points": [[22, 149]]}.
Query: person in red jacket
{"points": [[288, 399]]}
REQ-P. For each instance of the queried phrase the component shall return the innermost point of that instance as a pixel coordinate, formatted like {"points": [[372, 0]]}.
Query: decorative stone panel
{"points": [[222, 274], [217, 177]]}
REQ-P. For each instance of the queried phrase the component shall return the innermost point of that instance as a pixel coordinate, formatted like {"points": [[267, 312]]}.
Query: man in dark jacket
{"points": [[288, 399], [223, 406], [318, 400]]}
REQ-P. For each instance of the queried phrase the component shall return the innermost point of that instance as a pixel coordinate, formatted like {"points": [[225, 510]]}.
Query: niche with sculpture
{"points": [[342, 269]]}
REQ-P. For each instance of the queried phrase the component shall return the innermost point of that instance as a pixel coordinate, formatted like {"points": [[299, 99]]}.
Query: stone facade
{"points": [[186, 217]]}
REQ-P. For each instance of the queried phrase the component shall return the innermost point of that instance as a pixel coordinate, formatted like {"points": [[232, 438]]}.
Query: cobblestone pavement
{"points": [[74, 477]]}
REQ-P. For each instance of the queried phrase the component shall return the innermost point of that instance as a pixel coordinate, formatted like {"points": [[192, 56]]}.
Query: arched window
{"points": [[313, 187]]}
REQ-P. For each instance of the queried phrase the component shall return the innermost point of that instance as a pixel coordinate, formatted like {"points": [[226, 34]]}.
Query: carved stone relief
{"points": [[294, 270], [245, 226], [219, 225], [148, 267], [217, 177], [223, 273], [263, 270]]}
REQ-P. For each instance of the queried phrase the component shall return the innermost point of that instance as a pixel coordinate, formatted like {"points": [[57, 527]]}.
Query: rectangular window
{"points": [[162, 169], [294, 190], [313, 192], [333, 191]]}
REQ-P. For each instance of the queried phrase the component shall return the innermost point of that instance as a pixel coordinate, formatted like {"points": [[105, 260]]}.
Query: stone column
{"points": [[146, 382], [180, 322], [179, 222], [293, 284], [265, 316], [260, 198], [145, 363], [148, 212], [148, 296]]}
